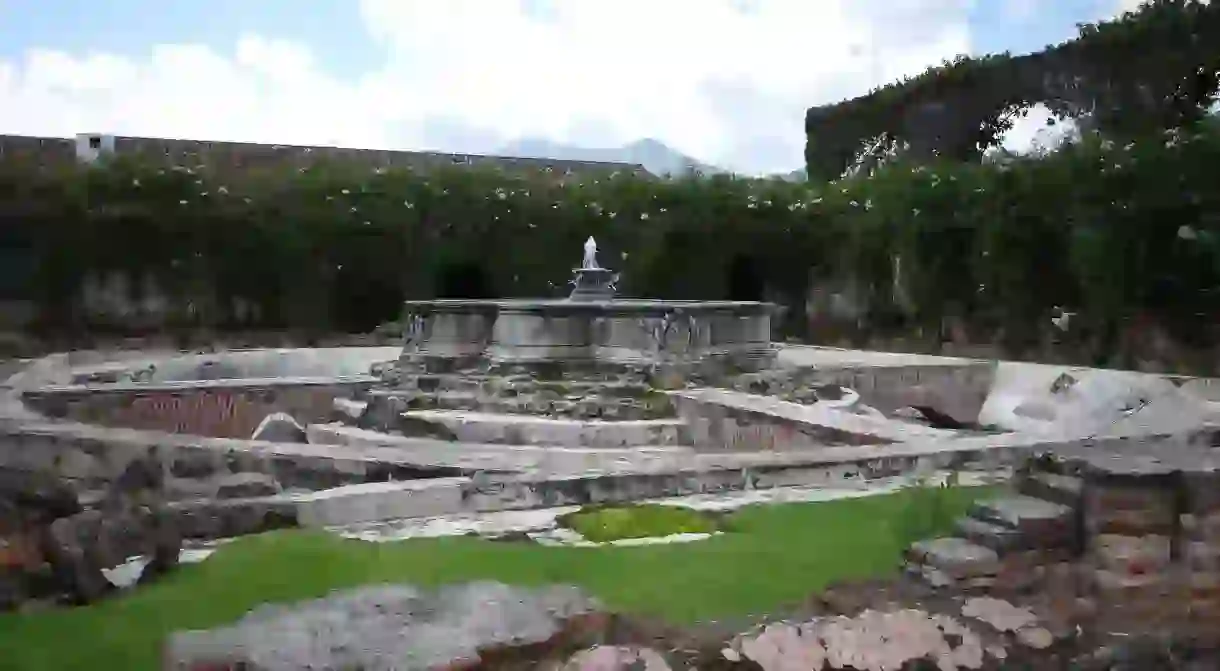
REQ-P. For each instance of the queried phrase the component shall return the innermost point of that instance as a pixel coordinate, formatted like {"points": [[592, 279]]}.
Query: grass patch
{"points": [[602, 524], [776, 554]]}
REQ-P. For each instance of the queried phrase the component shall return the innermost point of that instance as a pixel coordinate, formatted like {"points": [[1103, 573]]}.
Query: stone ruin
{"points": [[495, 405]]}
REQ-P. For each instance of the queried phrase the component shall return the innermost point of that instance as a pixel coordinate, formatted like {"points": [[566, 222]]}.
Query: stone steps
{"points": [[996, 543]]}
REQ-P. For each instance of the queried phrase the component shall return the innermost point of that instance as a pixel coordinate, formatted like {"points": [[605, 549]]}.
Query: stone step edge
{"points": [[475, 417], [982, 510], [1064, 490]]}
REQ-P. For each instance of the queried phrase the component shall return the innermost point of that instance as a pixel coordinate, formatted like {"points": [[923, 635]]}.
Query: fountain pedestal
{"points": [[593, 284], [591, 347]]}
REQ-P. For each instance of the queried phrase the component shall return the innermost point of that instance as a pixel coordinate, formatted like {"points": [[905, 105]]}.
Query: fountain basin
{"points": [[454, 334]]}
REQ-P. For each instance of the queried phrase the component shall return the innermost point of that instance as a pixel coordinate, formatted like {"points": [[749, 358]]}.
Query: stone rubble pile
{"points": [[1126, 532], [58, 545]]}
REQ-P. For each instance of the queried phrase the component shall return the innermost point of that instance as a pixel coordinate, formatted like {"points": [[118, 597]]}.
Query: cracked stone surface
{"points": [[388, 628], [957, 557]]}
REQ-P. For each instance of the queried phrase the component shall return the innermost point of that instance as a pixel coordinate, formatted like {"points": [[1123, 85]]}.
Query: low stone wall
{"points": [[957, 389], [214, 408], [1124, 532], [1152, 541], [92, 457], [731, 421]]}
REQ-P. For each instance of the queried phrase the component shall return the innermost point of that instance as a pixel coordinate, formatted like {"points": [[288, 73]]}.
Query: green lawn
{"points": [[775, 555], [611, 523]]}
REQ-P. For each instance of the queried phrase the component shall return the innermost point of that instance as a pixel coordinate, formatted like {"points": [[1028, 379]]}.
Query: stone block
{"points": [[1202, 526], [398, 627], [955, 557], [1201, 489], [1200, 555], [1149, 500], [1062, 489], [1129, 523], [1042, 523], [1131, 555], [1117, 587], [279, 427], [999, 538], [375, 501], [246, 486]]}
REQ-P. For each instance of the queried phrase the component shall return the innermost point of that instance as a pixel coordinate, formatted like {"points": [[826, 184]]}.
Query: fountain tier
{"points": [[461, 334]]}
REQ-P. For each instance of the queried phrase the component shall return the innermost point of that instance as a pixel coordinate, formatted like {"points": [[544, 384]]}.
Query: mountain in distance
{"points": [[654, 155]]}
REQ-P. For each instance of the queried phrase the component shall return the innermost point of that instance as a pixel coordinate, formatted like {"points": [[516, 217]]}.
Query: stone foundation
{"points": [[1136, 524], [213, 408]]}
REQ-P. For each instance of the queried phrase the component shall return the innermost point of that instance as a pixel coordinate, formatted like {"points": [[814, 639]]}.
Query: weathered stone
{"points": [[193, 464], [1201, 488], [1056, 488], [37, 497], [1132, 555], [1041, 523], [80, 547], [616, 658], [999, 538], [232, 518], [896, 639], [143, 477], [1129, 522], [1122, 470], [998, 614], [1153, 500], [395, 628], [1201, 556], [349, 410], [246, 486], [279, 427], [956, 557], [1201, 527]]}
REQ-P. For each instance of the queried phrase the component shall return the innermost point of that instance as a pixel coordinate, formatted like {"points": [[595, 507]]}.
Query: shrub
{"points": [[1113, 231]]}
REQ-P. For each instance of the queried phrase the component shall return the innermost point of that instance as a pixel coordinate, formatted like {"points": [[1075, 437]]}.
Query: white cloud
{"points": [[1039, 129], [718, 79]]}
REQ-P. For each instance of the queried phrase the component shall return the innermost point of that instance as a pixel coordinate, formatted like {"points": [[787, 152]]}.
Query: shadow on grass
{"points": [[775, 554]]}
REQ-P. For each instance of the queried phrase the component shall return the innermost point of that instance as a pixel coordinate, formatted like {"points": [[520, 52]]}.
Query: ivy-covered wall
{"points": [[1120, 233], [1155, 68]]}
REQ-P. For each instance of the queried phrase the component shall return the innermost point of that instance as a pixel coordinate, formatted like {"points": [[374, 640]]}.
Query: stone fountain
{"points": [[591, 338]]}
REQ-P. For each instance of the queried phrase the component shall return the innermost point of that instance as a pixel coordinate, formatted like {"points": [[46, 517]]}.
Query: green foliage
{"points": [[927, 508], [1113, 231], [1152, 69], [602, 524]]}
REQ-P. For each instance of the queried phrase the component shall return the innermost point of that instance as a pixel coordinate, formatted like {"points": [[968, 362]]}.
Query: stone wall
{"points": [[1152, 539], [955, 389], [732, 421], [1122, 532], [93, 457], [221, 409]]}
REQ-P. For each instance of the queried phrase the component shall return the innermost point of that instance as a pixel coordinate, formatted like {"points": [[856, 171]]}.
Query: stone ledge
{"points": [[191, 385], [720, 419], [479, 427]]}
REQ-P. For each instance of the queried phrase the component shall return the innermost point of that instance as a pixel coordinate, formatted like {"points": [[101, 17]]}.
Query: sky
{"points": [[725, 81]]}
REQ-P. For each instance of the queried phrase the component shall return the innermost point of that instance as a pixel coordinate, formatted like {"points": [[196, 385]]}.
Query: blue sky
{"points": [[469, 75]]}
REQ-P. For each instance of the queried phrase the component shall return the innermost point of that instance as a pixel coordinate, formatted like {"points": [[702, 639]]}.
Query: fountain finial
{"points": [[590, 260]]}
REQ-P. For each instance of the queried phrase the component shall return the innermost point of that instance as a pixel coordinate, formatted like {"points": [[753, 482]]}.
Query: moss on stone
{"points": [[602, 524]]}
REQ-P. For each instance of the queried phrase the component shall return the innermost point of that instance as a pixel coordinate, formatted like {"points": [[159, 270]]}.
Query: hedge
{"points": [[1110, 231]]}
